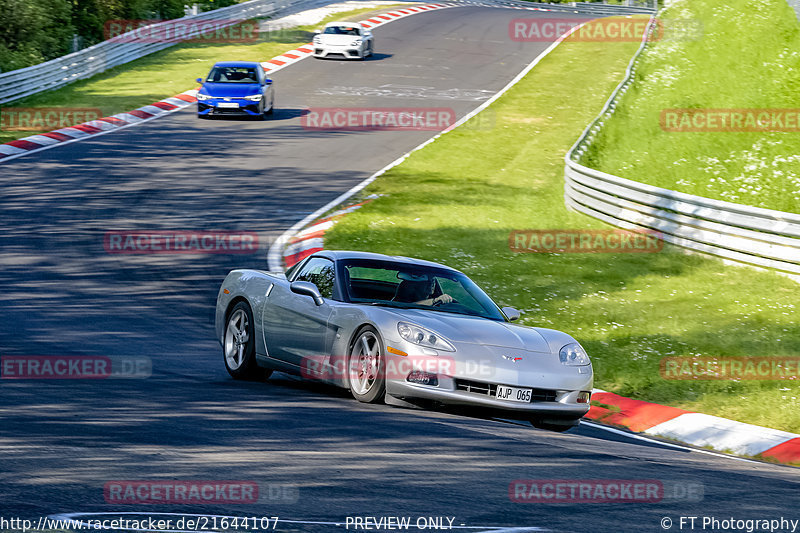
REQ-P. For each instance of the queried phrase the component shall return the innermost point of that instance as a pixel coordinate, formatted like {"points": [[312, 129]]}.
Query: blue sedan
{"points": [[236, 88]]}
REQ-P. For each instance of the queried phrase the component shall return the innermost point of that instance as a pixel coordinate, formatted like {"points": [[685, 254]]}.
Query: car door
{"points": [[295, 327]]}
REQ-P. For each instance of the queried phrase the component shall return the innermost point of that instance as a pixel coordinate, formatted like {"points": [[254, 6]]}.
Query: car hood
{"points": [[475, 330], [231, 90], [341, 40]]}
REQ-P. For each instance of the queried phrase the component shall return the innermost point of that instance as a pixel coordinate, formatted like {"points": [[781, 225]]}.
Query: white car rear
{"points": [[350, 40]]}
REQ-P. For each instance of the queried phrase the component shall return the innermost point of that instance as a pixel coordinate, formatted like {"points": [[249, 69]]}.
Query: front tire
{"points": [[239, 345], [367, 366]]}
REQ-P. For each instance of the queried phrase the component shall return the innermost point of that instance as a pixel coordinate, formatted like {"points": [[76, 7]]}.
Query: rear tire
{"points": [[366, 366], [239, 345]]}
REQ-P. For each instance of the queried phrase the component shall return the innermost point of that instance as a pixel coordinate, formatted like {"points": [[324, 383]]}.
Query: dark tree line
{"points": [[33, 31]]}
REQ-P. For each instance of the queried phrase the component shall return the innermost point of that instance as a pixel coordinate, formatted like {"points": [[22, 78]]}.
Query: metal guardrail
{"points": [[751, 235], [61, 71], [588, 8]]}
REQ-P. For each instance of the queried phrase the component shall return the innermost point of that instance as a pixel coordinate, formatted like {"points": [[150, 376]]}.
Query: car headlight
{"points": [[356, 42], [202, 96], [253, 97], [423, 337], [317, 39], [573, 355]]}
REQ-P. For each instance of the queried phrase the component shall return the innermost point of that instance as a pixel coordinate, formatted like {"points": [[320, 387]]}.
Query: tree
{"points": [[32, 31]]}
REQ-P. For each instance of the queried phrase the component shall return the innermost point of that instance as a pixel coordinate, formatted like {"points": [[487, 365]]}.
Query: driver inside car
{"points": [[420, 290]]}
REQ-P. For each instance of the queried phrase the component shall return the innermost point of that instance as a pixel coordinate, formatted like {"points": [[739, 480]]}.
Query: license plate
{"points": [[228, 104], [513, 394]]}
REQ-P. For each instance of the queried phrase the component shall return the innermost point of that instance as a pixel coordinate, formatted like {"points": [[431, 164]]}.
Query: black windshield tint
{"points": [[233, 75], [341, 30], [412, 286]]}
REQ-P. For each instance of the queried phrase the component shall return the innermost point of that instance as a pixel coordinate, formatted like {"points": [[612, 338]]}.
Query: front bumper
{"points": [[563, 405], [470, 377], [347, 52], [244, 107]]}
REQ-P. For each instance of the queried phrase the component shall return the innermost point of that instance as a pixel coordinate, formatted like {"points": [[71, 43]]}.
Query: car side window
{"points": [[320, 272]]}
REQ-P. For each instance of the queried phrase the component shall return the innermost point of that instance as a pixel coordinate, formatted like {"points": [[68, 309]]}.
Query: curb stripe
{"points": [[788, 452], [57, 136], [86, 128], [633, 414], [23, 144], [165, 106], [140, 114], [721, 434], [186, 98]]}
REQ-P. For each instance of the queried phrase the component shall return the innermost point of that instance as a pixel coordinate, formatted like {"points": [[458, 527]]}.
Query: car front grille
{"points": [[490, 389]]}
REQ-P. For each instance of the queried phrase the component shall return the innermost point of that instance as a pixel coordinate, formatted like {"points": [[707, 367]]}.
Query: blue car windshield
{"points": [[232, 75], [410, 286]]}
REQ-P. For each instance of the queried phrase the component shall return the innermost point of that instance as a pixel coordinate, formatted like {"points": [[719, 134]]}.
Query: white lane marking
{"points": [[634, 436], [81, 524], [275, 253]]}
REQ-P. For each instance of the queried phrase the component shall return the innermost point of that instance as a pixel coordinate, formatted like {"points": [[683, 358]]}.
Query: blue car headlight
{"points": [[423, 337], [573, 354], [253, 97], [201, 96]]}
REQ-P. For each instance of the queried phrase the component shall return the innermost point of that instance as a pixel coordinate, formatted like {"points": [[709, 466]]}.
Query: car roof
{"points": [[249, 64], [337, 255]]}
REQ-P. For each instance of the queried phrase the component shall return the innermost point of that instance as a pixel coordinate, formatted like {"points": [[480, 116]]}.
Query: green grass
{"points": [[741, 61], [456, 200], [167, 73]]}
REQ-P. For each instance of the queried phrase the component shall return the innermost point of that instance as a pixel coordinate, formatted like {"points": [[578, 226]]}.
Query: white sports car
{"points": [[350, 40]]}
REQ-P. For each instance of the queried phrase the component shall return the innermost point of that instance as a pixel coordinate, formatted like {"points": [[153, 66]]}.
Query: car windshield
{"points": [[411, 286], [233, 75], [341, 30]]}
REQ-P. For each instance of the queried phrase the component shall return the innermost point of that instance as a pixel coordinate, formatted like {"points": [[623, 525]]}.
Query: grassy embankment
{"points": [[456, 200], [747, 58]]}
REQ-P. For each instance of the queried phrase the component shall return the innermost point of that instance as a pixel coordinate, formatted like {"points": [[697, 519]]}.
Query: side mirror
{"points": [[267, 81], [308, 289], [511, 313], [317, 32], [199, 80]]}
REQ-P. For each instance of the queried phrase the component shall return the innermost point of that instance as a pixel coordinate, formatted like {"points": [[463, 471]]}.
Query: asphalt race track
{"points": [[316, 454]]}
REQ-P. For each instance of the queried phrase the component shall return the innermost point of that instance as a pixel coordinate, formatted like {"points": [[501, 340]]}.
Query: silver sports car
{"points": [[400, 330]]}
